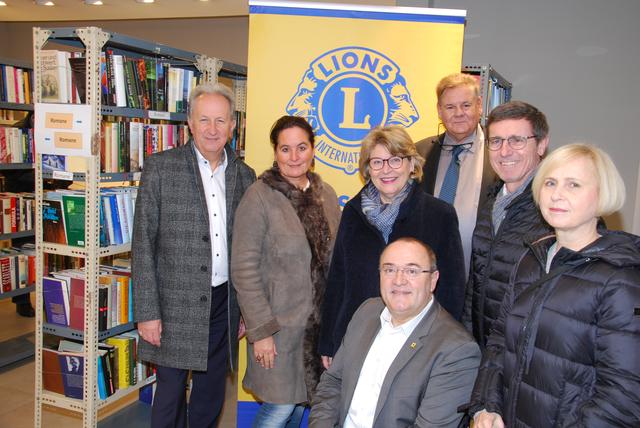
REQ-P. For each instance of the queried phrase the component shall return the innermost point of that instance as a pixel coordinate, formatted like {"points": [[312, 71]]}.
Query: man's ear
{"points": [[434, 280]]}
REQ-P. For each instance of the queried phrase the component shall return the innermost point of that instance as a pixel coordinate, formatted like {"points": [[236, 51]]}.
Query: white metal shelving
{"points": [[92, 40]]}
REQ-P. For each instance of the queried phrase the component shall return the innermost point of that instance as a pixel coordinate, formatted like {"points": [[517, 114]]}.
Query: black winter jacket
{"points": [[566, 353], [354, 276], [494, 254]]}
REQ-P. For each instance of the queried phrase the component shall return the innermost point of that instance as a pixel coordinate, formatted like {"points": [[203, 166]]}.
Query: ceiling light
{"points": [[3, 3], [45, 3], [145, 1], [93, 2]]}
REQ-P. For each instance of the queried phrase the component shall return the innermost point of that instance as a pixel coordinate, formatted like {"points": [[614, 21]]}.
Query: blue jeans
{"points": [[278, 416]]}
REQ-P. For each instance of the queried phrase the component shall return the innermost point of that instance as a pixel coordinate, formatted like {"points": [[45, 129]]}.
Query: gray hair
{"points": [[215, 89]]}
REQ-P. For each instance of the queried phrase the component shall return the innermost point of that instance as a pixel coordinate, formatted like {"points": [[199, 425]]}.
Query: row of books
{"points": [[15, 84], [17, 267], [118, 367], [17, 212], [56, 82], [140, 83], [237, 140], [145, 83], [63, 216], [16, 145], [497, 94], [63, 295], [126, 143]]}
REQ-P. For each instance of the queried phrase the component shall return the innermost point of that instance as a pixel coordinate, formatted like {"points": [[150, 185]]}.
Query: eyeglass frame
{"points": [[419, 270], [510, 143], [402, 158]]}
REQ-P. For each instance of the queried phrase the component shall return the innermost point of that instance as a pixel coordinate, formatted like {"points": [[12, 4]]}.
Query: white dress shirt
{"points": [[383, 351], [214, 192], [469, 186]]}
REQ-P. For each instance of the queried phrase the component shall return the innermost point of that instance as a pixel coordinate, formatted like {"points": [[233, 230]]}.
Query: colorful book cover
{"points": [[72, 368], [55, 294], [73, 211], [76, 303], [53, 221], [51, 371], [123, 352]]}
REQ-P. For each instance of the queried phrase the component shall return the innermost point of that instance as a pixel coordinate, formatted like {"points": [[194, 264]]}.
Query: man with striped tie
{"points": [[457, 168]]}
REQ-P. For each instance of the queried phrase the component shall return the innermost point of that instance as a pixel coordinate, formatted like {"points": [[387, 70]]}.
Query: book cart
{"points": [[92, 41], [15, 103], [494, 89]]}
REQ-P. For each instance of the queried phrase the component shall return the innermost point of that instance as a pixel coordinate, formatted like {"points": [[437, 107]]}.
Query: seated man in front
{"points": [[404, 360]]}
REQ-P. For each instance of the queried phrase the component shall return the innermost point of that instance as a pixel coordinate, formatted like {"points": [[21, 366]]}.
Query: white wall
{"points": [[577, 61]]}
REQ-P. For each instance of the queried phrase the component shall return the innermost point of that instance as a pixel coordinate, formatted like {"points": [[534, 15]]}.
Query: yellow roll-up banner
{"points": [[346, 69]]}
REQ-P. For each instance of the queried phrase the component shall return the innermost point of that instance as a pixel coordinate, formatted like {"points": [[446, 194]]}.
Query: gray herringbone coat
{"points": [[171, 253]]}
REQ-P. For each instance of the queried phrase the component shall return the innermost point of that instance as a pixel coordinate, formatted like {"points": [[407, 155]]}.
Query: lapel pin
{"points": [[413, 344]]}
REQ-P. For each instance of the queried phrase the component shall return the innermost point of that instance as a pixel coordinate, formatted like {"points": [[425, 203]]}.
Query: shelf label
{"points": [[63, 129], [63, 175], [162, 115]]}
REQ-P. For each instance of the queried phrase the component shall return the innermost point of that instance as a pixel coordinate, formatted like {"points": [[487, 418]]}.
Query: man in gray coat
{"points": [[404, 360], [186, 311]]}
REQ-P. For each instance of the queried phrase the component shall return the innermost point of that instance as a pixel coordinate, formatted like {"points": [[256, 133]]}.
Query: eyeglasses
{"points": [[410, 272], [394, 162], [516, 142]]}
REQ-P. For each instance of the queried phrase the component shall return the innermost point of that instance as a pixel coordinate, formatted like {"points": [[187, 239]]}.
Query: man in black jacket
{"points": [[517, 138]]}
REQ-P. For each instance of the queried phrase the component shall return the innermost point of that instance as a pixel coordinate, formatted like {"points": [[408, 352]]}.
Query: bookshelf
{"points": [[91, 178], [16, 175], [494, 89]]}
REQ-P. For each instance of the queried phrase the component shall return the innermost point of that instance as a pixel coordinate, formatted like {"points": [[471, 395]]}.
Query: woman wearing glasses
{"points": [[389, 206], [283, 235], [564, 350]]}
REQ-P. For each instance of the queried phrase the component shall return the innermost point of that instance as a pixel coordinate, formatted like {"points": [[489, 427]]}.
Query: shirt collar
{"points": [[521, 188], [408, 326], [471, 139], [201, 159]]}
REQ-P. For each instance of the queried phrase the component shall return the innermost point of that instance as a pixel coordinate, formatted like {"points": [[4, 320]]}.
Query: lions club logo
{"points": [[346, 92]]}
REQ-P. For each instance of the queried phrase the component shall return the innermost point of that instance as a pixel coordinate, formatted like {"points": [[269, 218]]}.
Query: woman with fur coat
{"points": [[284, 232]]}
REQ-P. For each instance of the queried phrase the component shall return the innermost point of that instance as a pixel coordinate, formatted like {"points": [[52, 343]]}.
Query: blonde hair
{"points": [[397, 141], [611, 189], [456, 80]]}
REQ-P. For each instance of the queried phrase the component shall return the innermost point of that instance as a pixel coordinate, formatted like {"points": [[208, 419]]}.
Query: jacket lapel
{"points": [[415, 342], [191, 159], [230, 177], [430, 169]]}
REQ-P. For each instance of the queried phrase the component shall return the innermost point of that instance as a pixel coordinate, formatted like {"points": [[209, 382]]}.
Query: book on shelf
{"points": [[63, 293], [55, 294], [53, 228], [73, 206], [74, 278], [125, 143], [15, 84], [117, 366], [56, 73], [17, 268], [16, 145], [63, 216], [78, 66]]}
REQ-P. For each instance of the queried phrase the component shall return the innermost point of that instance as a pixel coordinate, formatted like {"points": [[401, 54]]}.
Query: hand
{"points": [[242, 329], [264, 350], [484, 419], [151, 331], [326, 361]]}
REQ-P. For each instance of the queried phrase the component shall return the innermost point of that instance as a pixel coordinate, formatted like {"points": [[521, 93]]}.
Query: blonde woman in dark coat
{"points": [[283, 237]]}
